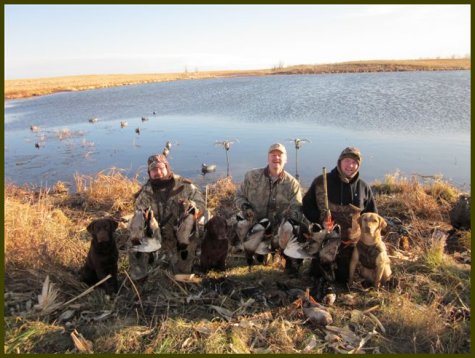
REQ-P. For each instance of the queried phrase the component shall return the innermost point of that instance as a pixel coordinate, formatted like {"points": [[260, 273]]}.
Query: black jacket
{"points": [[356, 192]]}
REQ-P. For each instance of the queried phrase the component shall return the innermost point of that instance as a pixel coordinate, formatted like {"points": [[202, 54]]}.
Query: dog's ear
{"points": [[360, 220], [90, 227], [382, 223], [113, 225]]}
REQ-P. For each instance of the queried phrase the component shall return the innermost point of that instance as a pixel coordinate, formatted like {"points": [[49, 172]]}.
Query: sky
{"points": [[60, 40]]}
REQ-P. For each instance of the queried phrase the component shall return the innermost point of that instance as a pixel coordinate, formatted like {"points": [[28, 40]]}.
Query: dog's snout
{"points": [[102, 235]]}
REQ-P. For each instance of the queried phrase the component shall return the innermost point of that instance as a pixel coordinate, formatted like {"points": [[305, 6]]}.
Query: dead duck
{"points": [[207, 168], [257, 240], [123, 124], [93, 120]]}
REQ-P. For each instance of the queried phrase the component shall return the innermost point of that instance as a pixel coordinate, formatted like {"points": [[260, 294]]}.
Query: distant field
{"points": [[43, 86]]}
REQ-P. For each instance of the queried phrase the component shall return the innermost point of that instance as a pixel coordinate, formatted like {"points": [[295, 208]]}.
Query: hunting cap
{"points": [[156, 159], [351, 152], [279, 147]]}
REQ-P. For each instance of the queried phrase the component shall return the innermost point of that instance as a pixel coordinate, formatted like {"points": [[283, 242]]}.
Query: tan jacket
{"points": [[270, 200]]}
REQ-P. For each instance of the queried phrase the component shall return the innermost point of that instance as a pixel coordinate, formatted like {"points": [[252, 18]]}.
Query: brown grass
{"points": [[43, 86], [380, 66], [424, 309]]}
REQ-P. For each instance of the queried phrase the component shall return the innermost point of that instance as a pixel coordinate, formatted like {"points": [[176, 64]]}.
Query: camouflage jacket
{"points": [[270, 200], [165, 204]]}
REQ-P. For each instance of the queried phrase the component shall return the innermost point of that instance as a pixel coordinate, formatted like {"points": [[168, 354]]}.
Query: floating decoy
{"points": [[144, 119], [37, 145], [165, 151], [207, 168], [123, 124], [154, 113], [34, 128], [137, 130], [168, 145], [93, 120]]}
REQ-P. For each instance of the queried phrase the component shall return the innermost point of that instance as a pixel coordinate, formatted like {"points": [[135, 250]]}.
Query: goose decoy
{"points": [[123, 124], [207, 168], [137, 130], [93, 120]]}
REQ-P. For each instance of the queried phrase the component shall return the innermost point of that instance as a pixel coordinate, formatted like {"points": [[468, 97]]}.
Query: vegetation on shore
{"points": [[42, 86], [424, 309]]}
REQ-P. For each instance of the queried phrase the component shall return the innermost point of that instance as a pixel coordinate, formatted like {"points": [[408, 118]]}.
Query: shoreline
{"points": [[26, 88]]}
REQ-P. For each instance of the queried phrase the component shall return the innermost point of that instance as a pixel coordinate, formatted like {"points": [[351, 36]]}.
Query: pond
{"points": [[415, 123]]}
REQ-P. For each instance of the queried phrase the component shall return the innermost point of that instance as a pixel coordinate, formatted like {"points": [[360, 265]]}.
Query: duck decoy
{"points": [[226, 144], [137, 130], [93, 120], [298, 142], [207, 168], [123, 124], [37, 145], [34, 128], [144, 119]]}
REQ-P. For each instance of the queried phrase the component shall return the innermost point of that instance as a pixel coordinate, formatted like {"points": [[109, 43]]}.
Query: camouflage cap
{"points": [[154, 161], [279, 147], [351, 152]]}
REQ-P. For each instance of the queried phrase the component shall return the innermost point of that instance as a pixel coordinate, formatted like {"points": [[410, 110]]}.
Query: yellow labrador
{"points": [[371, 251]]}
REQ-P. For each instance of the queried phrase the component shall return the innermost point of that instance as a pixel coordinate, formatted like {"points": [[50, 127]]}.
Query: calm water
{"points": [[412, 122]]}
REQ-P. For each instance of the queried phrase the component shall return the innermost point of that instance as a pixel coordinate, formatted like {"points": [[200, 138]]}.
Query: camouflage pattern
{"points": [[368, 254], [274, 201], [343, 215], [167, 211]]}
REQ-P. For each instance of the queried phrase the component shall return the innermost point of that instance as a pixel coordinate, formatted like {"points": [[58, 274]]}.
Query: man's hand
{"points": [[249, 214]]}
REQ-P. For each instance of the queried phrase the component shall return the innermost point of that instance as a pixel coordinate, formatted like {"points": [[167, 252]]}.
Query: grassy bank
{"points": [[43, 86], [425, 308]]}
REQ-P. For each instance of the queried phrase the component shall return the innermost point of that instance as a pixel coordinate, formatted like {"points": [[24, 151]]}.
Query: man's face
{"points": [[159, 172], [276, 161], [349, 167]]}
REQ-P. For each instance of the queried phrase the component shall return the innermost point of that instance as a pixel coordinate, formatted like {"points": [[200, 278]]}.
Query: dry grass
{"points": [[424, 309], [380, 66], [109, 190], [43, 86]]}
